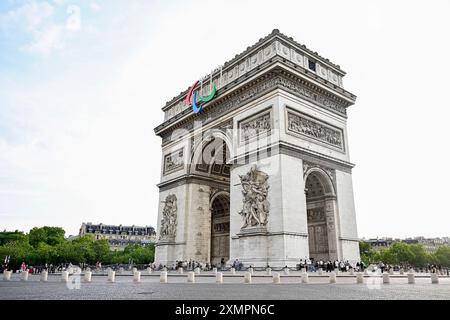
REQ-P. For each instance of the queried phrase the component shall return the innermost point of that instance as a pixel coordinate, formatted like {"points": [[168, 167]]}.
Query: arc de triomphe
{"points": [[255, 162]]}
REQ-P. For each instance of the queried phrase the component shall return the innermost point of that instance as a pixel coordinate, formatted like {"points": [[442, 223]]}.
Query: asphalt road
{"points": [[233, 288]]}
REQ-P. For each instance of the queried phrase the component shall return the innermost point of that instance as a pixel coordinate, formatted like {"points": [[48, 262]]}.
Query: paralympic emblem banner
{"points": [[196, 102]]}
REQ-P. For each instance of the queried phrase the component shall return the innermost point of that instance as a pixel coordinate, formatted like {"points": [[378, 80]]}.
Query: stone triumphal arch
{"points": [[255, 162]]}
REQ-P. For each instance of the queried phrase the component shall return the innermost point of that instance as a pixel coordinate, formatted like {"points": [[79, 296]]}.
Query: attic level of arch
{"points": [[278, 77]]}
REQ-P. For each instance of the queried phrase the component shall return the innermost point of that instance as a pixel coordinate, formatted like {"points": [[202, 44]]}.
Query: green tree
{"points": [[442, 256], [8, 236], [49, 235]]}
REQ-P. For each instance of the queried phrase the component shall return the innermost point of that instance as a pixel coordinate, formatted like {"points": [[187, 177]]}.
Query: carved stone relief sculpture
{"points": [[314, 129], [254, 126], [173, 161], [255, 209], [169, 218]]}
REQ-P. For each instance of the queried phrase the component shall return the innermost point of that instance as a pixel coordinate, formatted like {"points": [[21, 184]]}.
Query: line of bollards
{"points": [[219, 276]]}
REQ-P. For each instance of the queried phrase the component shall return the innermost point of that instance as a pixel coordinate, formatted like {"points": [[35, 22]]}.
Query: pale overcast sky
{"points": [[82, 84]]}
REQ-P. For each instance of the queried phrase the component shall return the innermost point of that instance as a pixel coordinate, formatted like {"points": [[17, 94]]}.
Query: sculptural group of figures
{"points": [[255, 211], [169, 218]]}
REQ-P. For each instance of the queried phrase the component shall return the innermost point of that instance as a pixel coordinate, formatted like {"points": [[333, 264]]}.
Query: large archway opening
{"points": [[220, 228], [214, 165], [318, 192]]}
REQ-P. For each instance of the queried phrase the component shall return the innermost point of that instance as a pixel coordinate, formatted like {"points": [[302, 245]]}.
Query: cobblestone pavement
{"points": [[232, 288]]}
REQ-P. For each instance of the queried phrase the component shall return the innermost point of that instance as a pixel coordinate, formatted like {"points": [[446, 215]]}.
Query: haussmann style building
{"points": [[256, 164], [119, 236]]}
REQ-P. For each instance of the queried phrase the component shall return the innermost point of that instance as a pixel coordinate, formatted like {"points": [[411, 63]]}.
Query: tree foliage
{"points": [[48, 245], [401, 253]]}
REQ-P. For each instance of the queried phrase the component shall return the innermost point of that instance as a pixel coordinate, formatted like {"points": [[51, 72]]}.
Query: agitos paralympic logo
{"points": [[196, 102]]}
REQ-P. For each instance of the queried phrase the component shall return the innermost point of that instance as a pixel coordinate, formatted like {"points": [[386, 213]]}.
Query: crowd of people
{"points": [[308, 265], [50, 268]]}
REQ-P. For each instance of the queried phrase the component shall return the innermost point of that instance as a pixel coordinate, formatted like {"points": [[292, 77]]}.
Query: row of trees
{"points": [[48, 245], [401, 253]]}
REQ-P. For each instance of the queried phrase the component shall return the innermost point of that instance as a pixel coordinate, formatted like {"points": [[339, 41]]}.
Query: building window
{"points": [[312, 65]]}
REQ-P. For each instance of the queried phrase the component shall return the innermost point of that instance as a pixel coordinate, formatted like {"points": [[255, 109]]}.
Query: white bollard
{"points": [[197, 270], [111, 276], [276, 277], [65, 276], [250, 270], [44, 276], [402, 271], [305, 277], [233, 271], [352, 272], [386, 278], [215, 270], [180, 270], [88, 276], [149, 270], [134, 270], [191, 277], [136, 276], [24, 276], [332, 277], [7, 275], [359, 278], [219, 277], [366, 273], [320, 272], [434, 278], [286, 271], [411, 279], [269, 271], [247, 277], [163, 277], [391, 271]]}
